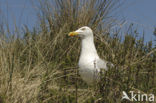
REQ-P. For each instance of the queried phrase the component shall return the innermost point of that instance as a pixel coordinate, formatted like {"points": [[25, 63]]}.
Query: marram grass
{"points": [[42, 67]]}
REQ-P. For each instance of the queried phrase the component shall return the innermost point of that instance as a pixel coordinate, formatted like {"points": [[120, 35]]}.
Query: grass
{"points": [[41, 67]]}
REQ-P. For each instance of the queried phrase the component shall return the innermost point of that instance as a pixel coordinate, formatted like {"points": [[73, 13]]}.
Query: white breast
{"points": [[88, 69]]}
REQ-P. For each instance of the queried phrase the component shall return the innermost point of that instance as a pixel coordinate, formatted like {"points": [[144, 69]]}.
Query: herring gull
{"points": [[89, 63]]}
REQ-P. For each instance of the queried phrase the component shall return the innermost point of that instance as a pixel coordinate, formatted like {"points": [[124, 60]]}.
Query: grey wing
{"points": [[102, 64]]}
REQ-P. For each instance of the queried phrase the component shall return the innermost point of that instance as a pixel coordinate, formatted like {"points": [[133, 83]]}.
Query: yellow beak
{"points": [[73, 33]]}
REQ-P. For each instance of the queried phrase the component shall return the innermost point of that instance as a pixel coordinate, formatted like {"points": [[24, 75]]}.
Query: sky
{"points": [[141, 13]]}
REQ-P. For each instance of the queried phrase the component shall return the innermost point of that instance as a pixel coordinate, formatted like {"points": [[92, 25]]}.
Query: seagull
{"points": [[90, 64]]}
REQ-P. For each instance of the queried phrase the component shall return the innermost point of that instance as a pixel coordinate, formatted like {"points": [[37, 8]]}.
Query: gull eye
{"points": [[83, 29]]}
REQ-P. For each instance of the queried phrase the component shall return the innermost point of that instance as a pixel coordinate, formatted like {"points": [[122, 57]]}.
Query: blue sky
{"points": [[140, 12], [19, 11]]}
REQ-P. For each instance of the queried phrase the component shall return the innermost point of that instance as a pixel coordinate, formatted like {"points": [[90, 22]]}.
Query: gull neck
{"points": [[88, 46]]}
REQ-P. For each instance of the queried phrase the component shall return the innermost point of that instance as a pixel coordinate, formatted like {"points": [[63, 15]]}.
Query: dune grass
{"points": [[41, 67]]}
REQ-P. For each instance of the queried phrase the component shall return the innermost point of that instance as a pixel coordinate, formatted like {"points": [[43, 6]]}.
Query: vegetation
{"points": [[41, 67]]}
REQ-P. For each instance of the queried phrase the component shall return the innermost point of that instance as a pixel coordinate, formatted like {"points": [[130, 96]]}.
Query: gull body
{"points": [[89, 63]]}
